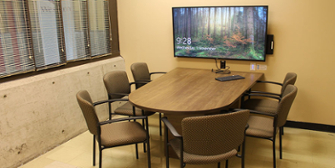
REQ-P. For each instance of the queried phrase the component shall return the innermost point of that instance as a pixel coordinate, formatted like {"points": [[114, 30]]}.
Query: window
{"points": [[40, 34], [15, 48], [76, 29]]}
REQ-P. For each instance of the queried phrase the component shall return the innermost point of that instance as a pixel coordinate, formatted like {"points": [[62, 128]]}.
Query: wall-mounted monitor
{"points": [[220, 32]]}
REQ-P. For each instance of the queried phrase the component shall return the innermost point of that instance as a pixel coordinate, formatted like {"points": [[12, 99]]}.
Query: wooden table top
{"points": [[186, 90]]}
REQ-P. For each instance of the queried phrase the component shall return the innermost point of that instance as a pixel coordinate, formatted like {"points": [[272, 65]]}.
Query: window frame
{"points": [[114, 45]]}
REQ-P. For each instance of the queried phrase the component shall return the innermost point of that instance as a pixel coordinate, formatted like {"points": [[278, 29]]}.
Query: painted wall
{"points": [[40, 112], [304, 43]]}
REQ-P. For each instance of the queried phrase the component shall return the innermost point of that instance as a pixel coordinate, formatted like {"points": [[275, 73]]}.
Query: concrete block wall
{"points": [[40, 112]]}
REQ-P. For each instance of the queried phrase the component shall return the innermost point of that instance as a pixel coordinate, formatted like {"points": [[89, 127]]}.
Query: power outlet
{"points": [[262, 67], [252, 66]]}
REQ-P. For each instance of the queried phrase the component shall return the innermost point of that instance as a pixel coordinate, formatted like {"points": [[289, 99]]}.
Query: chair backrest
{"points": [[289, 79], [140, 72], [214, 134], [86, 105], [285, 104], [116, 82]]}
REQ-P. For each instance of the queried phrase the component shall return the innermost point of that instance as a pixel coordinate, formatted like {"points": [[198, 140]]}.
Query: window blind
{"points": [[99, 27], [40, 34], [47, 33], [75, 29], [15, 48]]}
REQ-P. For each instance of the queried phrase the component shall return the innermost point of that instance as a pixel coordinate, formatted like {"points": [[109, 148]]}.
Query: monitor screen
{"points": [[221, 32]]}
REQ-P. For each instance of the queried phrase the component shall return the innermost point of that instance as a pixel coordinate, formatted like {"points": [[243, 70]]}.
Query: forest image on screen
{"points": [[220, 32]]}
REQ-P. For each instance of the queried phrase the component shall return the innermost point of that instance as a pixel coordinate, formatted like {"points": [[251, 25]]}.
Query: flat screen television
{"points": [[220, 32]]}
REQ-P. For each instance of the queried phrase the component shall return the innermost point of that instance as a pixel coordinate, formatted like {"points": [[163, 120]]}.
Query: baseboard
{"points": [[310, 126]]}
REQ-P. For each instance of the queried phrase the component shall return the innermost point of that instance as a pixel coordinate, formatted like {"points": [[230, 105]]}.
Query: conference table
{"points": [[185, 92]]}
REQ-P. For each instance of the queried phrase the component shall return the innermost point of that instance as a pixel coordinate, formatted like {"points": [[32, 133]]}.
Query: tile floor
{"points": [[301, 149]]}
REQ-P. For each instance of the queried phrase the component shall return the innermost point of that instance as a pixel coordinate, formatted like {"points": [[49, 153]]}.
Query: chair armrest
{"points": [[152, 73], [255, 112], [171, 128], [236, 109], [157, 73], [119, 94], [232, 110], [246, 126], [142, 81], [269, 93], [263, 95], [122, 119], [131, 83], [263, 113], [108, 101], [271, 82]]}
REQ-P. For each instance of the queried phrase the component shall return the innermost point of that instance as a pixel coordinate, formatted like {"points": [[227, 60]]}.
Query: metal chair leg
{"points": [[280, 143], [219, 165], [166, 148], [100, 156], [144, 125], [136, 151], [148, 153], [160, 124], [227, 163], [243, 154], [93, 150], [110, 110], [274, 151], [148, 145], [182, 155]]}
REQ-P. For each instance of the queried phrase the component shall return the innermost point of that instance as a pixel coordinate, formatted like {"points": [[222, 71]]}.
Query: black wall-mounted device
{"points": [[269, 44]]}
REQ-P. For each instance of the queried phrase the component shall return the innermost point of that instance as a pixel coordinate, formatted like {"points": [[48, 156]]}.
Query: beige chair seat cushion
{"points": [[127, 109], [260, 126], [122, 133], [263, 105], [200, 159]]}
